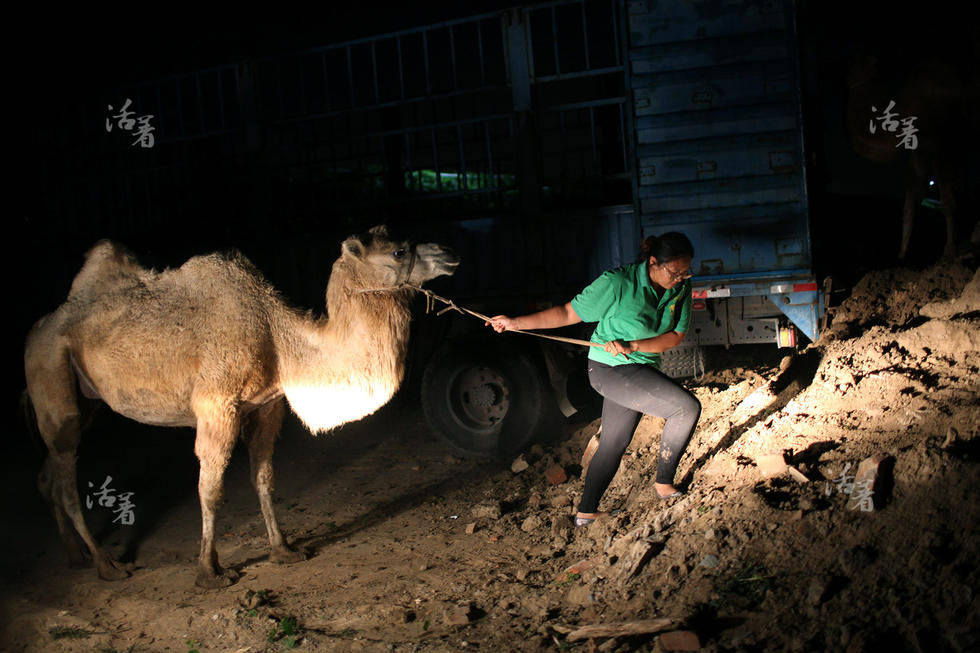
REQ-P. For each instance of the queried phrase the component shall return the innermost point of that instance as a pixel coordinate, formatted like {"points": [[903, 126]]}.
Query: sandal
{"points": [[672, 495], [585, 521]]}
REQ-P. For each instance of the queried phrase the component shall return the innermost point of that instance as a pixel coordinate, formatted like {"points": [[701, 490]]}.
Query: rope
{"points": [[451, 306]]}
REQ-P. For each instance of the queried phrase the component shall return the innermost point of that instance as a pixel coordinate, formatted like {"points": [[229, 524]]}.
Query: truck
{"points": [[543, 141]]}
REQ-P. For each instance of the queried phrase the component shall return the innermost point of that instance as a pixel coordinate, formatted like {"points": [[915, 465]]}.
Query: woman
{"points": [[642, 310]]}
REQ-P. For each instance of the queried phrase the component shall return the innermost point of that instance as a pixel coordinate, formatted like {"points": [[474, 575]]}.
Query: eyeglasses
{"points": [[677, 276]]}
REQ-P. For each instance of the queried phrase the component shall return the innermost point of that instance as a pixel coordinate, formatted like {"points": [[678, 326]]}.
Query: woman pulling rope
{"points": [[642, 310]]}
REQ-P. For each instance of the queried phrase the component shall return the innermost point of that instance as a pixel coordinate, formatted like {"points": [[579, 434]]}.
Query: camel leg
{"points": [[51, 386], [77, 551], [260, 436], [948, 201], [213, 445], [66, 489], [913, 197]]}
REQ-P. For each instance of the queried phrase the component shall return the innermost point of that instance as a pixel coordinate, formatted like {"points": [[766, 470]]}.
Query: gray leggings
{"points": [[630, 391]]}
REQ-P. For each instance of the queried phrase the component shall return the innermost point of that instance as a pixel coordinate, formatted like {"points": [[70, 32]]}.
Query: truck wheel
{"points": [[484, 398]]}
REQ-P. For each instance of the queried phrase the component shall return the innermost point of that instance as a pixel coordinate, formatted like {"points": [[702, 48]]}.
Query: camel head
{"points": [[377, 260]]}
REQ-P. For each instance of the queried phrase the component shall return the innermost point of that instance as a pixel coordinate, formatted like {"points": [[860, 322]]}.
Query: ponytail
{"points": [[667, 247]]}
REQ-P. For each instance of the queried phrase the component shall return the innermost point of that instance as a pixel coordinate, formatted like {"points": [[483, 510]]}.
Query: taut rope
{"points": [[451, 306]]}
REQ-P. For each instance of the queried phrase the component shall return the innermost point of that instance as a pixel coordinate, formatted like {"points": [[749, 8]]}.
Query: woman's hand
{"points": [[617, 347], [501, 323]]}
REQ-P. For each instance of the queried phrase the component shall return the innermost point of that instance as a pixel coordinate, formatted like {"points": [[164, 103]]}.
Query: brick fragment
{"points": [[556, 474], [771, 465]]}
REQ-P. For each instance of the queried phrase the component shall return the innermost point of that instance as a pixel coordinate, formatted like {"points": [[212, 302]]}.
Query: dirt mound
{"points": [[893, 297]]}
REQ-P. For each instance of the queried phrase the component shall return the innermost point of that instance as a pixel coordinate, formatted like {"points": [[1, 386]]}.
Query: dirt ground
{"points": [[413, 548]]}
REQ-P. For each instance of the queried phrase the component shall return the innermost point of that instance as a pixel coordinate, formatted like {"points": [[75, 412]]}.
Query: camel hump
{"points": [[229, 270], [107, 264]]}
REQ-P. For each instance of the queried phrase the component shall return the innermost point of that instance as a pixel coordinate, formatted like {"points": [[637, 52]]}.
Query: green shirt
{"points": [[626, 306]]}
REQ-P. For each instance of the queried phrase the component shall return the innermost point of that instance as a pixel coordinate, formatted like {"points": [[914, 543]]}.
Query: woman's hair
{"points": [[668, 247]]}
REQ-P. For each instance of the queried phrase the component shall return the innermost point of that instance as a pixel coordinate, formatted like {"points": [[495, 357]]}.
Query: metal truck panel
{"points": [[718, 132], [657, 23], [734, 157]]}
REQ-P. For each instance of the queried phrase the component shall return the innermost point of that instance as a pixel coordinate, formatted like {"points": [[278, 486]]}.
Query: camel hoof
{"points": [[286, 556], [111, 570], [211, 581]]}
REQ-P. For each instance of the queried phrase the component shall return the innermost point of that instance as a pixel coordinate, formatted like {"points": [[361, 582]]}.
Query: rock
{"points": [[797, 475], [561, 501], [250, 599], [579, 595], [458, 615], [952, 438], [561, 527], [771, 465], [680, 640], [519, 464], [627, 557], [817, 591], [580, 567], [555, 474], [491, 510], [532, 523], [709, 561]]}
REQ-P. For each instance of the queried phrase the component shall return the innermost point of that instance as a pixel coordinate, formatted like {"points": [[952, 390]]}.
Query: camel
{"points": [[212, 345], [932, 93]]}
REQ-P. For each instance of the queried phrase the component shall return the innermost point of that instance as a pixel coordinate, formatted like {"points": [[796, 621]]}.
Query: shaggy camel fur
{"points": [[933, 93], [212, 345]]}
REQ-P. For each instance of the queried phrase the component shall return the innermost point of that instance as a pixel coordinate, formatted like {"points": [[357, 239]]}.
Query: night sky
{"points": [[84, 51]]}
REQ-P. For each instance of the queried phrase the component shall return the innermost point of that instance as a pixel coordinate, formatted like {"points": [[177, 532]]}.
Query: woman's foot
{"points": [[666, 491], [586, 518]]}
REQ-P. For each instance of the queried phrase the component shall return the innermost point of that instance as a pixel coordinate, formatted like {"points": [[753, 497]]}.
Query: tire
{"points": [[485, 398]]}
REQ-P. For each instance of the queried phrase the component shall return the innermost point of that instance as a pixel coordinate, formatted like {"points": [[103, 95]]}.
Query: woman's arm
{"points": [[549, 318], [654, 345]]}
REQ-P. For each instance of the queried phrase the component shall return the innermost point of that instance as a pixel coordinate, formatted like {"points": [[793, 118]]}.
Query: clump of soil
{"points": [[414, 549]]}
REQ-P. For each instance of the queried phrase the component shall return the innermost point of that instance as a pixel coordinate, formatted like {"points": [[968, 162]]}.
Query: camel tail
{"points": [[30, 422]]}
